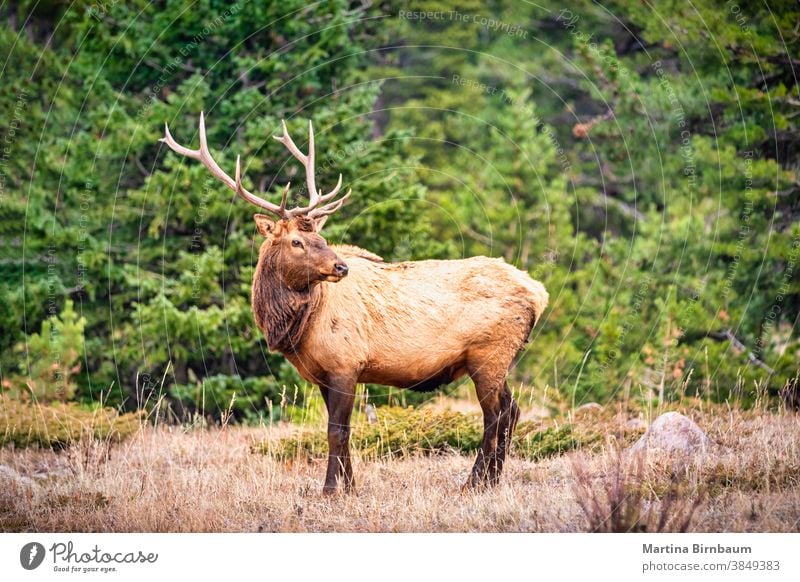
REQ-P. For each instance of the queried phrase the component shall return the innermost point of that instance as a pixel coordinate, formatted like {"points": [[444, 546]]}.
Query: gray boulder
{"points": [[673, 433]]}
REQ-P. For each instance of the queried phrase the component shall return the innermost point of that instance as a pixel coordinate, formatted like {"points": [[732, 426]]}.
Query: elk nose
{"points": [[341, 269]]}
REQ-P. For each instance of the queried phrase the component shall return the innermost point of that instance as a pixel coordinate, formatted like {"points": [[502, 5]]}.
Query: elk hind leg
{"points": [[509, 416], [488, 464]]}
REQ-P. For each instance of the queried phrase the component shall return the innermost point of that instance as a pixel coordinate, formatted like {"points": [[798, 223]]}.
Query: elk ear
{"points": [[265, 225]]}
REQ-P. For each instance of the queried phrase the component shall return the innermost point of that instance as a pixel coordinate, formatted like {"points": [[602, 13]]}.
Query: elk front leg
{"points": [[339, 396]]}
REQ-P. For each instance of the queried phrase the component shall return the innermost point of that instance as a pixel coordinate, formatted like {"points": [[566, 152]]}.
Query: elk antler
{"points": [[313, 210], [315, 197]]}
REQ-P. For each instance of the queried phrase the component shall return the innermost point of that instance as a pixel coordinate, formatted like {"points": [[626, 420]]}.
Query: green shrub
{"points": [[58, 425], [240, 399], [50, 359], [549, 442]]}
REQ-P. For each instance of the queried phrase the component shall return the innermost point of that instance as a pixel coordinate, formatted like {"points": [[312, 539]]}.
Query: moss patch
{"points": [[549, 442], [400, 432]]}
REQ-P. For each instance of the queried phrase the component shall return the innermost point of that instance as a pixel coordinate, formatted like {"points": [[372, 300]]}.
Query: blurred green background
{"points": [[640, 160]]}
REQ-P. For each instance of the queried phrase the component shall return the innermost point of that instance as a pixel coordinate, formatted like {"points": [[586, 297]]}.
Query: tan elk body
{"points": [[343, 316]]}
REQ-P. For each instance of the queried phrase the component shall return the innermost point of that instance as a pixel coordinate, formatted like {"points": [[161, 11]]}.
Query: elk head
{"points": [[293, 248]]}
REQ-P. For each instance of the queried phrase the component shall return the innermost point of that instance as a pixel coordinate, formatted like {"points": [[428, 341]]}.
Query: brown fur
{"points": [[411, 325]]}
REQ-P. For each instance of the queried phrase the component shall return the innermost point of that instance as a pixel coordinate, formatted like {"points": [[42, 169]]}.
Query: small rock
{"points": [[672, 432], [588, 409], [10, 474], [53, 474]]}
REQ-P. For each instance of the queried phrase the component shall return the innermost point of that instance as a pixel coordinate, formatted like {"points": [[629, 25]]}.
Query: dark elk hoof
{"points": [[470, 487], [477, 483], [331, 490]]}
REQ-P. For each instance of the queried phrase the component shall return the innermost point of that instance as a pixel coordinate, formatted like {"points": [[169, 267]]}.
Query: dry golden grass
{"points": [[168, 479]]}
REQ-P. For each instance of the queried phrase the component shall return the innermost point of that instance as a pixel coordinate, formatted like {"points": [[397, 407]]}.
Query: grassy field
{"points": [[168, 479]]}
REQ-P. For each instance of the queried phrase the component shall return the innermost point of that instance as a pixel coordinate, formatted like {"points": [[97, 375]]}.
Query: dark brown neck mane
{"points": [[280, 312]]}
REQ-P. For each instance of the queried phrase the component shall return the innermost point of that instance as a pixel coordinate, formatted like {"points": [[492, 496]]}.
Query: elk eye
{"points": [[297, 243]]}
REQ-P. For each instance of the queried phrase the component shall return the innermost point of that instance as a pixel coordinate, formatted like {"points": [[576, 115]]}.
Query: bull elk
{"points": [[341, 315]]}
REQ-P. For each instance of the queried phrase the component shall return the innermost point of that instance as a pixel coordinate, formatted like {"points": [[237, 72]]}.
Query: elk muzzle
{"points": [[340, 270]]}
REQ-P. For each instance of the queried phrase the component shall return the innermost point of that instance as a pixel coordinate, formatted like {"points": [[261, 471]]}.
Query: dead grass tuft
{"points": [[623, 498]]}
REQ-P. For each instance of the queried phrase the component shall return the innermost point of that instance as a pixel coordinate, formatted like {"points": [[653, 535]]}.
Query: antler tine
{"points": [[287, 140], [285, 196], [208, 162], [306, 160], [331, 207], [204, 156], [176, 147], [320, 215], [332, 193], [279, 211], [311, 179]]}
